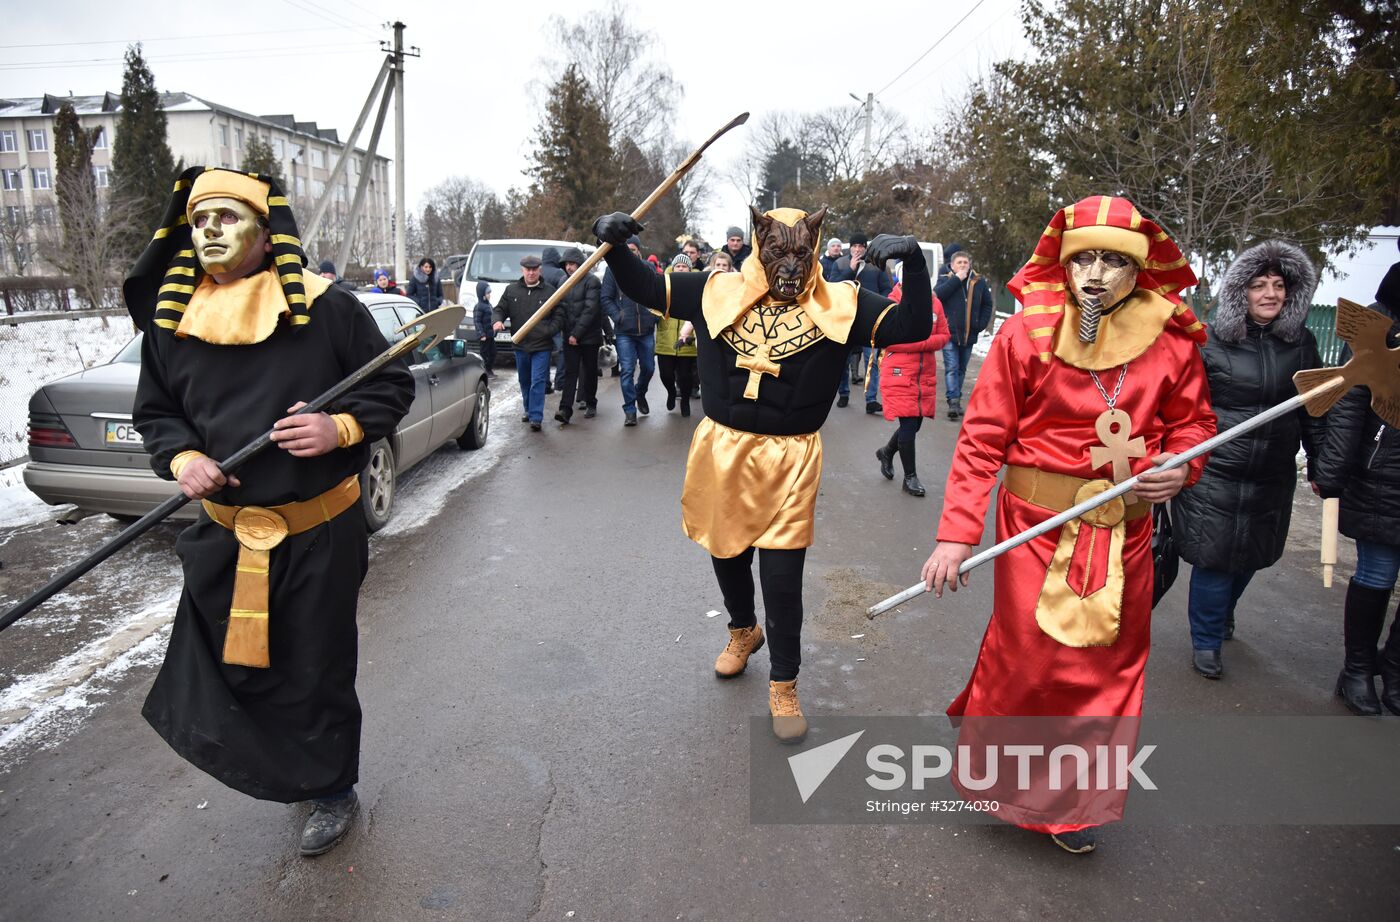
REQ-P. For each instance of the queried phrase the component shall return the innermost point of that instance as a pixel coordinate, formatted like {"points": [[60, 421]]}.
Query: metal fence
{"points": [[41, 347]]}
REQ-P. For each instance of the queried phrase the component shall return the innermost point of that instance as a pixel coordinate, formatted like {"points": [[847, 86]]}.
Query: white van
{"points": [[497, 262]]}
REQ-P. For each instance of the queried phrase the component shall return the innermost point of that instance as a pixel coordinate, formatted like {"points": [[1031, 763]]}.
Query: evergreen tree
{"points": [[143, 169], [573, 163], [259, 158], [74, 186]]}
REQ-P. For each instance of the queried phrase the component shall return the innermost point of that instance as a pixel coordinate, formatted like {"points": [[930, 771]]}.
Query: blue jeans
{"points": [[955, 359], [533, 370], [632, 351], [1212, 602], [872, 379], [1377, 565]]}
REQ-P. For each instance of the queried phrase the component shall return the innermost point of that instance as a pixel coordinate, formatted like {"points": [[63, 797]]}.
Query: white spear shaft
{"points": [[1074, 512]]}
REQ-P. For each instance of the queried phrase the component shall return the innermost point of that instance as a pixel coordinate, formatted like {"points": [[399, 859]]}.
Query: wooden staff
{"points": [[637, 215], [1330, 511]]}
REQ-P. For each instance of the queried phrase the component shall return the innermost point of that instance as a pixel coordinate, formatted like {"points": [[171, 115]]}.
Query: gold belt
{"points": [[1055, 492], [259, 529], [1081, 600]]}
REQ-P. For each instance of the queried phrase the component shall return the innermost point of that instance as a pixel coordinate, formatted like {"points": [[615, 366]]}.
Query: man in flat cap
{"points": [[518, 304]]}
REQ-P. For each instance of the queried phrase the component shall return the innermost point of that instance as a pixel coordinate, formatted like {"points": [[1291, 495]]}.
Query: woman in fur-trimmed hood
{"points": [[1234, 521]]}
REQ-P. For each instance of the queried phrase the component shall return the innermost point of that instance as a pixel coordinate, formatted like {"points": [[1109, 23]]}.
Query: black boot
{"points": [[911, 479], [1390, 667], [1364, 618], [885, 455], [954, 408]]}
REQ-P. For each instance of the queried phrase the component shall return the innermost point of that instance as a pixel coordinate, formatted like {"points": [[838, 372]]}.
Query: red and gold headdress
{"points": [[1108, 223]]}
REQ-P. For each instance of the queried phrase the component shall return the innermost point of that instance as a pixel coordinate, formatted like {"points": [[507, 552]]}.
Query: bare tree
{"points": [[17, 232], [634, 89]]}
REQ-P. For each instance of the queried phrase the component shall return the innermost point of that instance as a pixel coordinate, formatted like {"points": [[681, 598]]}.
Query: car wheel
{"points": [[377, 485], [475, 434]]}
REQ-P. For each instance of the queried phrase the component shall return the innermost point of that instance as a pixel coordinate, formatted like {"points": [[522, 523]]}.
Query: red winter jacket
{"points": [[909, 372]]}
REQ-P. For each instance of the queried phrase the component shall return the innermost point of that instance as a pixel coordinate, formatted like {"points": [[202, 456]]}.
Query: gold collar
{"points": [[242, 312], [1124, 334]]}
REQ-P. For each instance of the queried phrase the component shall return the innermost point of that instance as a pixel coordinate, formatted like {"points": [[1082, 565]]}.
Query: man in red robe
{"points": [[1096, 378]]}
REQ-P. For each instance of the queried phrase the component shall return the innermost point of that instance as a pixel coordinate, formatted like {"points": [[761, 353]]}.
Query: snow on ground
{"points": [[33, 354], [20, 507]]}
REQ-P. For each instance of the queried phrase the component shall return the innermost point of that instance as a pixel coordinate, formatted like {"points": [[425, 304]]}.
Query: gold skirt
{"points": [[746, 490]]}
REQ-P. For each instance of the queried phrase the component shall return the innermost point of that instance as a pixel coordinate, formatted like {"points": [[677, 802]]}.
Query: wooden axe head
{"points": [[435, 326]]}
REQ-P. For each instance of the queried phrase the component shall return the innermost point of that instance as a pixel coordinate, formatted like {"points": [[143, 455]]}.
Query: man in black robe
{"points": [[773, 340], [258, 683]]}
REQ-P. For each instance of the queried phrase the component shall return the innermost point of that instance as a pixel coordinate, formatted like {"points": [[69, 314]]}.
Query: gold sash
{"points": [[1081, 601], [259, 529]]}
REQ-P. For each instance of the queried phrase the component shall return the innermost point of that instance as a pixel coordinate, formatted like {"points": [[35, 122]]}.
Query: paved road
{"points": [[544, 738]]}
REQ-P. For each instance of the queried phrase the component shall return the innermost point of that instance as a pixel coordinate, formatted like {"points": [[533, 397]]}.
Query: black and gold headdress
{"points": [[167, 273]]}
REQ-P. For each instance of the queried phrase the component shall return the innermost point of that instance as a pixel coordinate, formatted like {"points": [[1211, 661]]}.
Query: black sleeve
{"points": [[380, 402], [1341, 442], [1311, 428], [910, 321], [158, 415], [949, 289], [642, 284]]}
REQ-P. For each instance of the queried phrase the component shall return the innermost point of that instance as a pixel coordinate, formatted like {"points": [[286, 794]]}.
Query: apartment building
{"points": [[199, 132]]}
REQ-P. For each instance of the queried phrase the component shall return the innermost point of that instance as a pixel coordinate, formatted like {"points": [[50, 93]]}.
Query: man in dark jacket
{"points": [[481, 316], [581, 323], [967, 303], [518, 304], [738, 249], [635, 329], [553, 274], [854, 268], [328, 272]]}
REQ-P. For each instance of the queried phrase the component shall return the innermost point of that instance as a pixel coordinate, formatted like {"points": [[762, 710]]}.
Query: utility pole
{"points": [[868, 109], [397, 56]]}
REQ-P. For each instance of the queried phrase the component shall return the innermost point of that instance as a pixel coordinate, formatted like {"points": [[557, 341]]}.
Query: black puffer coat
{"points": [[1235, 518], [581, 311], [1360, 455]]}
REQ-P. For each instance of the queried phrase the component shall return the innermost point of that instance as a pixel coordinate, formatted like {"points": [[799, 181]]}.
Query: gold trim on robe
{"points": [[744, 490]]}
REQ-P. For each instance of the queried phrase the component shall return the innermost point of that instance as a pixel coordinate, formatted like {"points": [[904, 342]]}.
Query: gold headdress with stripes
{"points": [[167, 273]]}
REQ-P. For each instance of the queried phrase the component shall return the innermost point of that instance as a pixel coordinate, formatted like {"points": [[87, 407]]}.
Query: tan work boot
{"points": [[743, 643], [789, 726]]}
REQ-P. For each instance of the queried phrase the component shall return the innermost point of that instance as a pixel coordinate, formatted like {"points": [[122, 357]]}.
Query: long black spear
{"points": [[432, 327]]}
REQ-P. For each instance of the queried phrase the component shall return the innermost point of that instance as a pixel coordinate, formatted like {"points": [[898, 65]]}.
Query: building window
{"points": [[44, 214], [318, 158], [99, 141], [317, 188], [223, 136], [41, 178], [99, 176], [7, 141], [14, 214], [300, 186], [38, 139], [238, 138], [279, 148], [11, 180]]}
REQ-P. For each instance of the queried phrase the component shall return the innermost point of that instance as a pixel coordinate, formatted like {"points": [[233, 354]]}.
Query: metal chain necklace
{"points": [[1118, 388]]}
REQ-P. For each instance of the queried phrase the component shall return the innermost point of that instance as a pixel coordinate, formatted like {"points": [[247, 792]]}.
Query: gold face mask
{"points": [[227, 236], [1099, 281]]}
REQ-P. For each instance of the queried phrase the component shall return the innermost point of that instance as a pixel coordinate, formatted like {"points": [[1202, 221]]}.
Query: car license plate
{"points": [[121, 434]]}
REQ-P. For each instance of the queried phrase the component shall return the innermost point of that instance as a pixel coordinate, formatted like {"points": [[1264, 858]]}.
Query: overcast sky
{"points": [[468, 96]]}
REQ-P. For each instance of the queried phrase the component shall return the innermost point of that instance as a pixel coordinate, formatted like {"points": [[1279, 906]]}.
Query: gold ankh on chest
{"points": [[758, 364], [1114, 428]]}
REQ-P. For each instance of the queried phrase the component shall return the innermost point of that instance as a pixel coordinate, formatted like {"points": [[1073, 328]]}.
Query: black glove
{"points": [[610, 340], [679, 343], [887, 246], [615, 228]]}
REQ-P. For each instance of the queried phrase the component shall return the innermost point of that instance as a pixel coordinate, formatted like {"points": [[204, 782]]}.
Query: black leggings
{"points": [[908, 428], [677, 373], [780, 574]]}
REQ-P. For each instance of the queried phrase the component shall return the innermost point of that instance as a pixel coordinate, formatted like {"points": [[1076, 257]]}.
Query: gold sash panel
{"points": [[259, 529], [744, 490], [1081, 602]]}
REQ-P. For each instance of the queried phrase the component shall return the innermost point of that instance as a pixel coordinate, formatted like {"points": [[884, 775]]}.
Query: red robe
{"points": [[1027, 412]]}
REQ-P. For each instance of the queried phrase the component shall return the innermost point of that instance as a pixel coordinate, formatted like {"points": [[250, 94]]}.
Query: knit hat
{"points": [[734, 232], [680, 259], [327, 266], [860, 238], [834, 242], [571, 255], [634, 240]]}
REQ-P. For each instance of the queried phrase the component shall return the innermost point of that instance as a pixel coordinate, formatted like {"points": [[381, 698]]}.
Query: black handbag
{"points": [[1165, 559]]}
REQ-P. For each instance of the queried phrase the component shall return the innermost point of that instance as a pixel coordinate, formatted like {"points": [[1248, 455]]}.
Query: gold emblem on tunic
{"points": [[766, 335]]}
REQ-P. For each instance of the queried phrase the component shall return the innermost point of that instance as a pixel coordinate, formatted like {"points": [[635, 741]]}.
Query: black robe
{"points": [[798, 400], [290, 732]]}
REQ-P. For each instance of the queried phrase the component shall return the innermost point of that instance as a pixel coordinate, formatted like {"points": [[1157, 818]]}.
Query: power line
{"points": [[317, 9], [953, 57], [242, 55], [930, 48], [165, 38]]}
